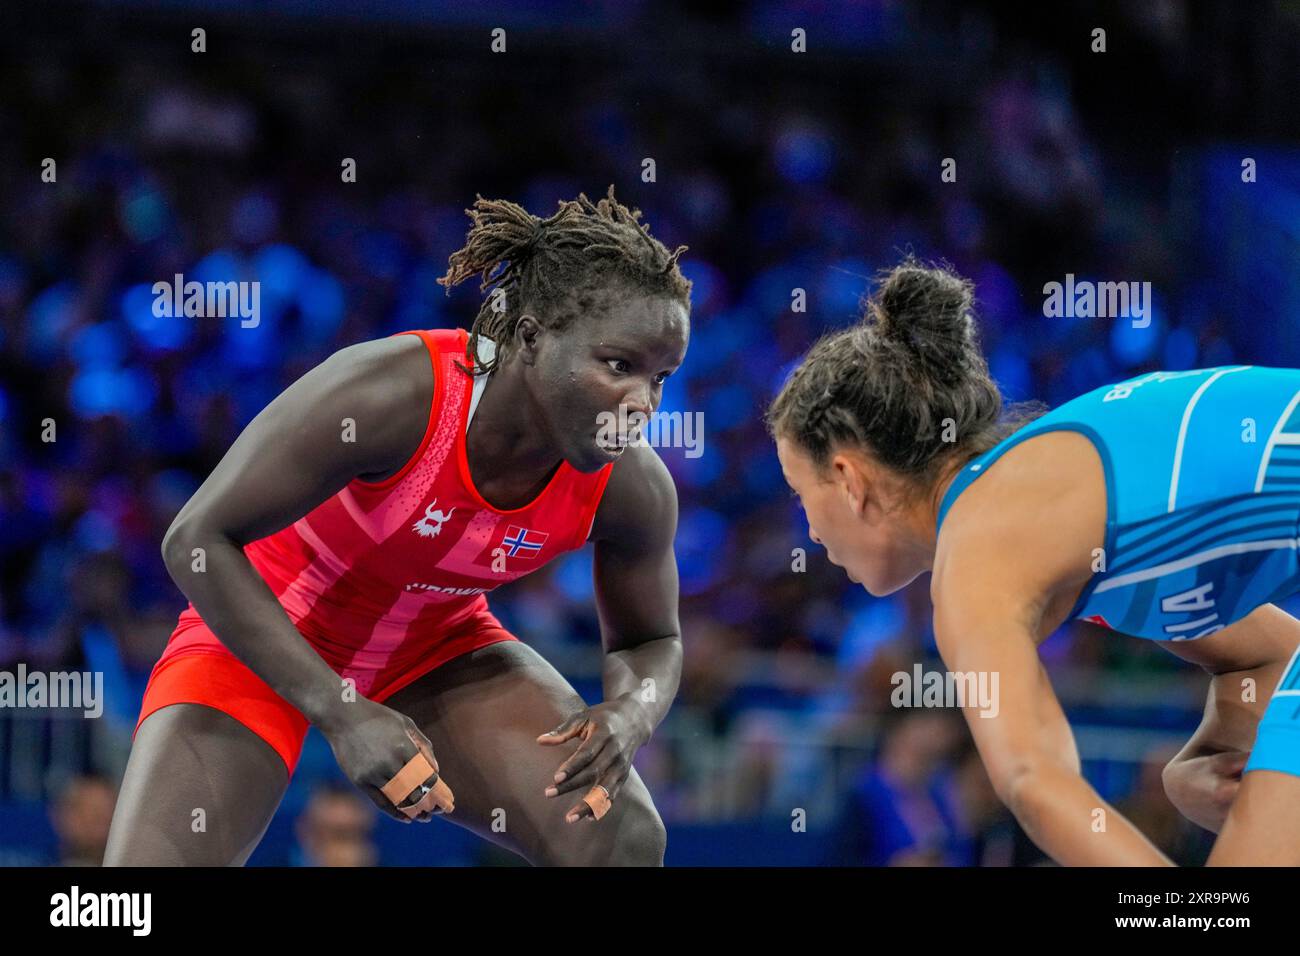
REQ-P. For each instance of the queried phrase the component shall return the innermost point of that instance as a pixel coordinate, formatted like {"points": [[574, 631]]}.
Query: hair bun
{"points": [[927, 309]]}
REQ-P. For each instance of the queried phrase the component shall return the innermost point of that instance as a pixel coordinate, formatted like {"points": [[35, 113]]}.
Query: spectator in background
{"points": [[1150, 811], [80, 815], [902, 811], [336, 829], [986, 832]]}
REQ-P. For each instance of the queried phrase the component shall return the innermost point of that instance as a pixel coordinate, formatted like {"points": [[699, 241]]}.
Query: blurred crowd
{"points": [[779, 173]]}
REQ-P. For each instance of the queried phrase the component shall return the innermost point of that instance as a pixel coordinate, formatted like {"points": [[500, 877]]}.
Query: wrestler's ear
{"points": [[527, 338]]}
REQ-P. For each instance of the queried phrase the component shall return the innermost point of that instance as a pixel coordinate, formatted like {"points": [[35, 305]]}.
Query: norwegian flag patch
{"points": [[522, 542]]}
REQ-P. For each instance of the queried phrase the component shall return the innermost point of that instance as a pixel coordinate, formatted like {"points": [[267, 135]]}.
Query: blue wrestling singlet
{"points": [[1202, 508]]}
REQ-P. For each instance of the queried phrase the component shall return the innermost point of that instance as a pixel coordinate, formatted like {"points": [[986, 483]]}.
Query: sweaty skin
{"points": [[539, 407], [1004, 578]]}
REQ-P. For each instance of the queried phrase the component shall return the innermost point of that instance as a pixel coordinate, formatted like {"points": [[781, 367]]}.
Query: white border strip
{"points": [[1275, 439], [1278, 691], [1182, 564], [1182, 429]]}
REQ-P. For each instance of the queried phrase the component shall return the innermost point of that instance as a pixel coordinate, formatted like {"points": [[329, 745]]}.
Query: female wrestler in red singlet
{"points": [[338, 557]]}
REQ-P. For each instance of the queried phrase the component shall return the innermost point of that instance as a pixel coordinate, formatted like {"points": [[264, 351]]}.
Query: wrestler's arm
{"points": [[1246, 661], [983, 626], [996, 574], [636, 598], [635, 572], [294, 455]]}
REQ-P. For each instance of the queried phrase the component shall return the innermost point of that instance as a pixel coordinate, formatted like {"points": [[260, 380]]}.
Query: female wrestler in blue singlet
{"points": [[1166, 507]]}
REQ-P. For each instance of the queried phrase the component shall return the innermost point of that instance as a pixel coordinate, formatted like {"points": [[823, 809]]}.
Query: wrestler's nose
{"points": [[639, 402]]}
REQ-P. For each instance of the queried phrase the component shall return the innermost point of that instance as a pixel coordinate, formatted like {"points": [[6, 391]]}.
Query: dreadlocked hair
{"points": [[908, 383], [541, 263]]}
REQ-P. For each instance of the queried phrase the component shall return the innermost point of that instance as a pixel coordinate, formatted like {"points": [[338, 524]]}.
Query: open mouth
{"points": [[612, 450], [612, 446]]}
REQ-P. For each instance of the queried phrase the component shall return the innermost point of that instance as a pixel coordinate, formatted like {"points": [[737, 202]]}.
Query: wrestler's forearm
{"points": [[1233, 707], [243, 612], [646, 677], [1068, 820]]}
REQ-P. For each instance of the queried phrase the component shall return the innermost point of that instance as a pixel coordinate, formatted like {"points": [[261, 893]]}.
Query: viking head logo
{"points": [[432, 522]]}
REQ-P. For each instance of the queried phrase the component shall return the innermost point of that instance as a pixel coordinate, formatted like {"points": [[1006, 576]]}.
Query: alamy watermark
{"points": [[37, 689], [210, 300], [133, 911], [921, 688], [1085, 299], [659, 430]]}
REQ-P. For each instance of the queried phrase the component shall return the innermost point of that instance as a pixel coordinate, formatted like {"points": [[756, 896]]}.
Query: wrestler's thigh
{"points": [[200, 790], [483, 712]]}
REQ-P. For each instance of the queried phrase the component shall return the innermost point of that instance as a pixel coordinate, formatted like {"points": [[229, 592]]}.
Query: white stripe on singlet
{"points": [[486, 349]]}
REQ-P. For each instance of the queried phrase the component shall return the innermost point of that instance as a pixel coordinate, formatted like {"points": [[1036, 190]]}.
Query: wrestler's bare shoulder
{"points": [[1033, 523]]}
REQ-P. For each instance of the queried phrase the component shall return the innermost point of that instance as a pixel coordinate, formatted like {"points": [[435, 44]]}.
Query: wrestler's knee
{"points": [[642, 836], [634, 836]]}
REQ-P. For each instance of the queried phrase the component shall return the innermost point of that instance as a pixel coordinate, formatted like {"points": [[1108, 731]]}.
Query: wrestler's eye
{"points": [[618, 365]]}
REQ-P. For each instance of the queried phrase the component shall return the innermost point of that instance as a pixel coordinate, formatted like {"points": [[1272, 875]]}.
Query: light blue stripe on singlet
{"points": [[1246, 526], [1194, 560]]}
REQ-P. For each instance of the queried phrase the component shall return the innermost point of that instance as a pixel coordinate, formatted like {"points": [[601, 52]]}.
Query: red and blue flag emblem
{"points": [[523, 542]]}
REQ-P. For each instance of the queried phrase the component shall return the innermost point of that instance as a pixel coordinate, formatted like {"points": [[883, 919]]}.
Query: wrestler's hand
{"points": [[611, 733], [1203, 788], [372, 743]]}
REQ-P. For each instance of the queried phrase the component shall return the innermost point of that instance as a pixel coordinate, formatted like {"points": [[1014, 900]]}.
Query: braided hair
{"points": [[908, 383], [545, 264]]}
